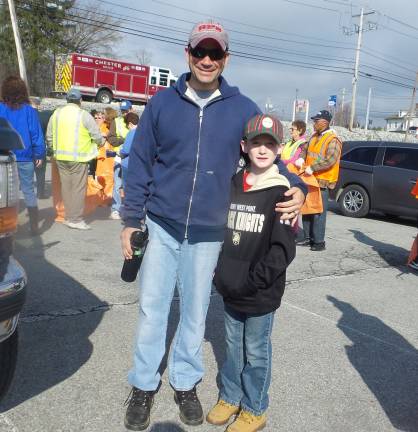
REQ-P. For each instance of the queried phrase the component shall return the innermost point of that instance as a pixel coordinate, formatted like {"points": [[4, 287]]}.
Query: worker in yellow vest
{"points": [[73, 136], [117, 134], [323, 161]]}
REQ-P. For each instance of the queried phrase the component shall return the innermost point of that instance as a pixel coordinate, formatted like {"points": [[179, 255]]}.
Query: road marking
{"points": [[5, 421], [337, 324]]}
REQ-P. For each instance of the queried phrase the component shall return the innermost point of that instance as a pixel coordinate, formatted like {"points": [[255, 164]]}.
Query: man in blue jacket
{"points": [[181, 163]]}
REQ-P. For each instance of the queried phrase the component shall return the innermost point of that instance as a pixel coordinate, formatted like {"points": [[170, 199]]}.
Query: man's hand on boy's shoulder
{"points": [[291, 208]]}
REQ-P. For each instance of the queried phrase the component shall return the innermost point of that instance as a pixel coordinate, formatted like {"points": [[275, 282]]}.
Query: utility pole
{"points": [[366, 127], [411, 108], [18, 42], [356, 66]]}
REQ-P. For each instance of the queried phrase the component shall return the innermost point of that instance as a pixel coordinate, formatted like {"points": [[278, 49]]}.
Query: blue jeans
{"points": [[314, 225], [26, 172], [246, 373], [167, 263], [117, 184]]}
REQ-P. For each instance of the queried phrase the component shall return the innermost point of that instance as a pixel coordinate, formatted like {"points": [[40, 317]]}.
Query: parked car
{"points": [[377, 175], [12, 276]]}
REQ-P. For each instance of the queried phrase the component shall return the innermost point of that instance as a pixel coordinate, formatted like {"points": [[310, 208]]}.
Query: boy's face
{"points": [[262, 151]]}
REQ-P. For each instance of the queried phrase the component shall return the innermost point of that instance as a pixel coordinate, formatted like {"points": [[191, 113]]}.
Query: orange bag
{"points": [[414, 250], [95, 196], [414, 190], [104, 170], [313, 201]]}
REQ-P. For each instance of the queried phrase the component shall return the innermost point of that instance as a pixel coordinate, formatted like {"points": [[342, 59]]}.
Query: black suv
{"points": [[377, 175], [12, 276]]}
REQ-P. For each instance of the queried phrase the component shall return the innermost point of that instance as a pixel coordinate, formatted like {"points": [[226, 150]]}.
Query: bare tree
{"points": [[92, 30], [143, 57], [342, 116]]}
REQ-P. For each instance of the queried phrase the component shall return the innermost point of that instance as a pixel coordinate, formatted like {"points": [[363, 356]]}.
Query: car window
{"points": [[401, 158], [362, 155]]}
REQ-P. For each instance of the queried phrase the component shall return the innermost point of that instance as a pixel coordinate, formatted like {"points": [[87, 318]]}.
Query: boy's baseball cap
{"points": [[209, 30], [125, 105], [323, 114], [264, 124]]}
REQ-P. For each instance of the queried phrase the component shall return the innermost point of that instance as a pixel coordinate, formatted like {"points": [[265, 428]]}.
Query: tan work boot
{"points": [[221, 413], [247, 422]]}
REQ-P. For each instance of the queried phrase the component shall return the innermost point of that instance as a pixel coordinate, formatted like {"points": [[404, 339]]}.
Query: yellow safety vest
{"points": [[318, 146], [71, 140], [121, 128], [290, 148]]}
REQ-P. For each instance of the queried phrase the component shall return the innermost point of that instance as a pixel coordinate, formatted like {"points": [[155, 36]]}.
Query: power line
{"points": [[267, 59], [231, 30], [223, 19]]}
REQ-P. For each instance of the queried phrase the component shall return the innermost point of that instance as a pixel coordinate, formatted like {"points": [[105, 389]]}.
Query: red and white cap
{"points": [[209, 30]]}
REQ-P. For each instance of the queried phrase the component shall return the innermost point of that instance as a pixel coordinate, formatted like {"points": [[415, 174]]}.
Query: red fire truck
{"points": [[105, 79]]}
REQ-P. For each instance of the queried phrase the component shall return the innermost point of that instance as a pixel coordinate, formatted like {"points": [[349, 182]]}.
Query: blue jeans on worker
{"points": [[26, 172], [117, 184], [314, 225], [246, 373], [168, 263]]}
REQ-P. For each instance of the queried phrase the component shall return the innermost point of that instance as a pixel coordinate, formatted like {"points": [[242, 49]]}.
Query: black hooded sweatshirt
{"points": [[258, 247]]}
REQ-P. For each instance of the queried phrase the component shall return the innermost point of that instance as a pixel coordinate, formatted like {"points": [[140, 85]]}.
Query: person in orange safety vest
{"points": [[322, 160]]}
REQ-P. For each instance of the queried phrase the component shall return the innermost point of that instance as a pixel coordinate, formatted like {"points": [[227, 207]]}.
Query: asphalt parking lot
{"points": [[345, 339]]}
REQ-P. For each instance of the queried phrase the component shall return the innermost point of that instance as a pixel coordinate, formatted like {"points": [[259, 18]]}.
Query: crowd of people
{"points": [[175, 170]]}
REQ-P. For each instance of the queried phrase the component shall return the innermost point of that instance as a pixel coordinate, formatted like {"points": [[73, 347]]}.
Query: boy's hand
{"points": [[290, 209]]}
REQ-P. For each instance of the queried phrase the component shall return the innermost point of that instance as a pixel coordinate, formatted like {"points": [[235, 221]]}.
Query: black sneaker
{"points": [[191, 412], [318, 247], [304, 242], [137, 415]]}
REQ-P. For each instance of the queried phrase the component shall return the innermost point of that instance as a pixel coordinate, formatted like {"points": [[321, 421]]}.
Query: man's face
{"points": [[206, 71], [320, 125]]}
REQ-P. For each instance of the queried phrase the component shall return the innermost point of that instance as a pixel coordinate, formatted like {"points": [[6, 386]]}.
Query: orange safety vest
{"points": [[317, 150]]}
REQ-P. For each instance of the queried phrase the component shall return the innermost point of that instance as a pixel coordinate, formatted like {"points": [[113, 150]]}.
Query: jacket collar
{"points": [[225, 89], [270, 178]]}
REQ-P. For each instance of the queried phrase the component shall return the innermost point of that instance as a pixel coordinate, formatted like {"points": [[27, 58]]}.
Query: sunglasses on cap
{"points": [[213, 53]]}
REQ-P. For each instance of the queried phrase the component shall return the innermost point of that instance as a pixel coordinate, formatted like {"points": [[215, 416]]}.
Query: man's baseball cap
{"points": [[264, 124], [324, 114], [125, 105], [209, 30], [74, 94]]}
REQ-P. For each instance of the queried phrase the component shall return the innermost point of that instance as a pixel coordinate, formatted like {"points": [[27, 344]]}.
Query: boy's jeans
{"points": [[117, 184], [246, 373], [167, 263], [26, 172], [314, 225]]}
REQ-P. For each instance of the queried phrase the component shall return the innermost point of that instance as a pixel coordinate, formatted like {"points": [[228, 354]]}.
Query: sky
{"points": [[312, 34]]}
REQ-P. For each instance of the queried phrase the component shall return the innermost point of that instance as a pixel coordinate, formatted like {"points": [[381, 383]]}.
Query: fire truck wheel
{"points": [[104, 96]]}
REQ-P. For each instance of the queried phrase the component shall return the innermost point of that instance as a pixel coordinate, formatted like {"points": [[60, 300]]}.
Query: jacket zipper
{"points": [[195, 173]]}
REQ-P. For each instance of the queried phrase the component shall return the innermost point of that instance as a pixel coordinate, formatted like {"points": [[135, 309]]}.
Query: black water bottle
{"points": [[139, 240]]}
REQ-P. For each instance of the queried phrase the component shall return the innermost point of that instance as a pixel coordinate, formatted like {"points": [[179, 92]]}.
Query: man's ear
{"points": [[244, 146], [186, 52], [280, 149]]}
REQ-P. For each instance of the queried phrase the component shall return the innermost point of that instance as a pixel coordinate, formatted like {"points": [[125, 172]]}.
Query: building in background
{"points": [[397, 122]]}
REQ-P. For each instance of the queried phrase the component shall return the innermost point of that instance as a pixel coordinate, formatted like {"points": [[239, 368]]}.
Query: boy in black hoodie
{"points": [[251, 276]]}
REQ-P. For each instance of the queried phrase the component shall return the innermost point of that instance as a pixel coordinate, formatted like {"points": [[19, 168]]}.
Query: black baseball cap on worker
{"points": [[209, 30], [264, 124], [323, 114]]}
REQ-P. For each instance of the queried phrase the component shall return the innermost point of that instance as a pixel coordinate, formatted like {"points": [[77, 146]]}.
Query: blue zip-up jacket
{"points": [[182, 158], [26, 122]]}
